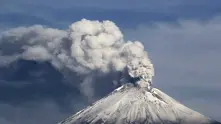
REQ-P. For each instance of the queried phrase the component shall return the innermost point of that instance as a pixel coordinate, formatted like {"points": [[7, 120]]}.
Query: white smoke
{"points": [[86, 47], [36, 53]]}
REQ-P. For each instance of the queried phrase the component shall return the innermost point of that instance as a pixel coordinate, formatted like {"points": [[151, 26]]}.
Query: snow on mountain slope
{"points": [[130, 104]]}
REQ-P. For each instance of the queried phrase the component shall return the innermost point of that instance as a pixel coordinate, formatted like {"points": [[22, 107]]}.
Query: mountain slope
{"points": [[137, 105]]}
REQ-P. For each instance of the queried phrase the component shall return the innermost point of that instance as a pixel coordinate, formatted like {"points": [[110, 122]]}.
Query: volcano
{"points": [[132, 104], [137, 102]]}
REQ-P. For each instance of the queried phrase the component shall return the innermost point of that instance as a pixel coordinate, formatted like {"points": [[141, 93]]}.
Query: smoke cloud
{"points": [[89, 48]]}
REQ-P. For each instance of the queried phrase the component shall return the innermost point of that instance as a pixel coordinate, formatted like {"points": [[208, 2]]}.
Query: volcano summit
{"points": [[136, 102], [130, 104]]}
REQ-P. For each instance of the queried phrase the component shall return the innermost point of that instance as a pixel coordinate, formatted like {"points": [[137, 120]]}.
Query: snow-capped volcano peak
{"points": [[137, 102], [130, 104]]}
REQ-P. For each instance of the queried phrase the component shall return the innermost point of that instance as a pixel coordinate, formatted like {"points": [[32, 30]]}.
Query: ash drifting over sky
{"points": [[88, 48]]}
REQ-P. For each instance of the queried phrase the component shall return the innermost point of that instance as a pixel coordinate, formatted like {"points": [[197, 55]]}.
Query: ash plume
{"points": [[88, 48]]}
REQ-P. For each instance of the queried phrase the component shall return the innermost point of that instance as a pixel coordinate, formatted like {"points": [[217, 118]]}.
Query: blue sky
{"points": [[136, 12], [182, 38]]}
